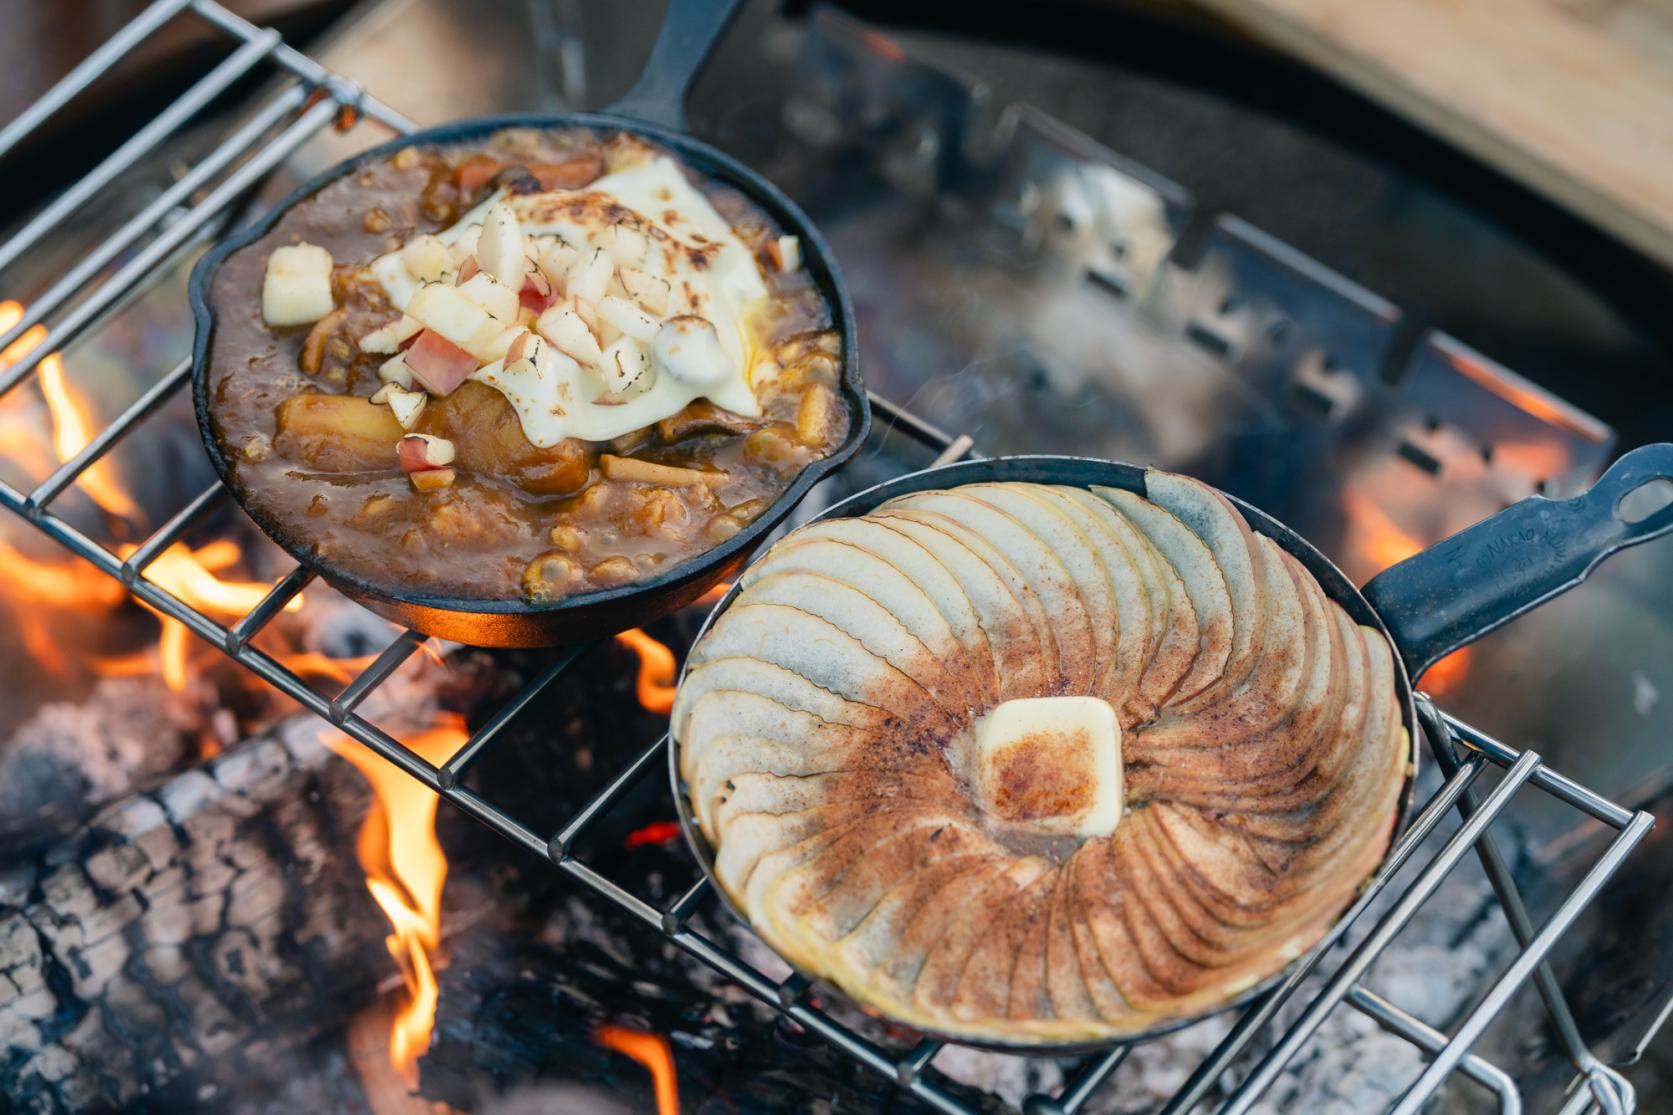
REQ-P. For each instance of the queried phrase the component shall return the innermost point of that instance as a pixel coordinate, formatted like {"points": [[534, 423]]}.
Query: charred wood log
{"points": [[185, 921], [66, 758]]}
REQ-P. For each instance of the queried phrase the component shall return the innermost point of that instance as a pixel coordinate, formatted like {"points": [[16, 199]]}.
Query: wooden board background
{"points": [[1572, 97]]}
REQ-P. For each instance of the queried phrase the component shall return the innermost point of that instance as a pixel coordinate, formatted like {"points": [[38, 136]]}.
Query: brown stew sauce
{"points": [[316, 460]]}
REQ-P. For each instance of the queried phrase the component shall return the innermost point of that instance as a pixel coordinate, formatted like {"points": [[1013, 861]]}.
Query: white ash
{"points": [[1645, 695], [69, 756], [331, 624]]}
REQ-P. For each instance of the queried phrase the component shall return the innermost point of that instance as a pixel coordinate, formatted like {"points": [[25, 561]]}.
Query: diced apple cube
{"points": [[589, 276], [418, 452], [426, 258], [688, 349], [492, 295], [448, 311], [492, 345], [555, 258], [626, 245], [406, 406], [786, 253], [587, 312], [626, 365], [500, 246], [297, 287], [537, 293], [387, 337], [525, 348], [432, 479], [649, 291], [628, 319], [465, 246], [437, 364], [565, 329], [395, 370]]}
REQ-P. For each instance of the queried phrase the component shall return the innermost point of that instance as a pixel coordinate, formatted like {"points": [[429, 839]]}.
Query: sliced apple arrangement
{"points": [[1032, 763], [570, 326]]}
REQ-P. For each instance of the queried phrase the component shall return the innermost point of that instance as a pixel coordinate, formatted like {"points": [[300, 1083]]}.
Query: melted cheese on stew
{"points": [[709, 271]]}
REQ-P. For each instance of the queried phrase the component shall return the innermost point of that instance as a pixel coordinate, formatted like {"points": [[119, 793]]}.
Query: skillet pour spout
{"points": [[653, 111]]}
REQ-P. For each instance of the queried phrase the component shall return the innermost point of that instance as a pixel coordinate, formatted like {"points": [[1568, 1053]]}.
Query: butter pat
{"points": [[1051, 765]]}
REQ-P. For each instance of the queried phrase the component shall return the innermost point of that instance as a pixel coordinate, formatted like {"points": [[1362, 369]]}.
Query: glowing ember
{"points": [[657, 832], [652, 1051], [405, 871]]}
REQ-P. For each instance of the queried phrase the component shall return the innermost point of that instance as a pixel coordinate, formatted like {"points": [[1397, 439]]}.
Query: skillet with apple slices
{"points": [[1048, 752], [1037, 761]]}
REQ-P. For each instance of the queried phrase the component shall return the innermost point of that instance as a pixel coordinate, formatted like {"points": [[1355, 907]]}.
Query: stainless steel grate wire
{"points": [[314, 100]]}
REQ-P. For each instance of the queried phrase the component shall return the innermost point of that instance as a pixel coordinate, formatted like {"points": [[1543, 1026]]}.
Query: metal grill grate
{"points": [[311, 100]]}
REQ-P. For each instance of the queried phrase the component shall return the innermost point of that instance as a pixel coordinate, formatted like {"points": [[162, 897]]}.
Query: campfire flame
{"points": [[652, 1051], [71, 428], [405, 867], [405, 872], [190, 575], [655, 683]]}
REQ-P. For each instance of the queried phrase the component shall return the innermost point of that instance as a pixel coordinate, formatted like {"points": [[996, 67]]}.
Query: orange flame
{"points": [[186, 573], [405, 872], [56, 585], [652, 1051], [71, 428], [1385, 544], [655, 684], [190, 575]]}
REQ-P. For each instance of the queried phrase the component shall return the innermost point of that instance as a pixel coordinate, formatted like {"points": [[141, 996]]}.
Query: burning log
{"points": [[190, 934], [185, 921], [69, 756], [198, 927]]}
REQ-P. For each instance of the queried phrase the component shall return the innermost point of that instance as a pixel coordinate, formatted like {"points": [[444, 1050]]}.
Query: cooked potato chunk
{"points": [[489, 439], [337, 433]]}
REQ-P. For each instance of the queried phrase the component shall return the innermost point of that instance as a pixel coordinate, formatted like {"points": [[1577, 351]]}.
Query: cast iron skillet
{"points": [[1428, 605], [653, 109]]}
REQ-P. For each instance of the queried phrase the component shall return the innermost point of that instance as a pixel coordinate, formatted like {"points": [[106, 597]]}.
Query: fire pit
{"points": [[205, 909]]}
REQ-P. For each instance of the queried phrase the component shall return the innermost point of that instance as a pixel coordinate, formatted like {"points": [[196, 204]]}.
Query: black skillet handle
{"points": [[1488, 574], [689, 33]]}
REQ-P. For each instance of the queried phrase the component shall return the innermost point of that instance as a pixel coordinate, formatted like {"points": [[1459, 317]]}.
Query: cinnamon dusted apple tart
{"points": [[1030, 763]]}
